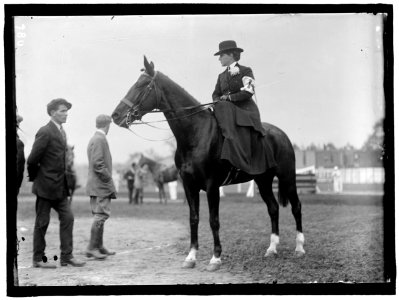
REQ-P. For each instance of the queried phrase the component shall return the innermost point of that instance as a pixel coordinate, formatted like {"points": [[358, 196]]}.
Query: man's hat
{"points": [[103, 120], [227, 46], [53, 105]]}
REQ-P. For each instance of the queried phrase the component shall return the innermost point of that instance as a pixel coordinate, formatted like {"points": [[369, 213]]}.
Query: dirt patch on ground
{"points": [[146, 255]]}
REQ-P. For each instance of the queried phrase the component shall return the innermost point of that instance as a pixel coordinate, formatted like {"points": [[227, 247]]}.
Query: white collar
{"points": [[232, 65], [56, 124], [101, 131]]}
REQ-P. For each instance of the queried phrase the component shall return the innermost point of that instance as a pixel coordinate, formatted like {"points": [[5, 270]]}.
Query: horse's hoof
{"points": [[271, 254], [299, 253], [213, 267], [188, 264]]}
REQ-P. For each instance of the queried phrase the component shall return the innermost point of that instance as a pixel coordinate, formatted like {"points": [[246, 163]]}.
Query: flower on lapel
{"points": [[234, 71]]}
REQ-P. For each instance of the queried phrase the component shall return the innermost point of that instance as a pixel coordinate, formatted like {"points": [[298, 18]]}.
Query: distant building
{"points": [[340, 158]]}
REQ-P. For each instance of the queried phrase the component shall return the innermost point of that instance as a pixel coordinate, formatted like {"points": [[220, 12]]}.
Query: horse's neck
{"points": [[153, 166], [183, 123]]}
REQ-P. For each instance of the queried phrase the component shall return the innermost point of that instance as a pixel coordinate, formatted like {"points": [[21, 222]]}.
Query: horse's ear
{"points": [[149, 67]]}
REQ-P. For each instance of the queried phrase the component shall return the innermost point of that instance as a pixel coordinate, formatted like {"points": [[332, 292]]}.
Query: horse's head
{"points": [[141, 98], [144, 160]]}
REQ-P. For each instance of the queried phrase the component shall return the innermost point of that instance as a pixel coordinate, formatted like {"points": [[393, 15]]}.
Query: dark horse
{"points": [[70, 172], [160, 174], [199, 143]]}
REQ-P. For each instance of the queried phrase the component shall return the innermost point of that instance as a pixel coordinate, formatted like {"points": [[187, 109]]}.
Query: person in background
{"points": [[20, 157], [47, 169], [100, 186], [129, 177], [139, 177], [20, 176], [337, 180], [116, 178]]}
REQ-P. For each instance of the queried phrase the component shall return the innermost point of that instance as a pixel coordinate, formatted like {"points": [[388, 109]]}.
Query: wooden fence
{"points": [[305, 183]]}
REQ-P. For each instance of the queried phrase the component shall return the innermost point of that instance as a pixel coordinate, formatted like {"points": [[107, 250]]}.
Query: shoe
{"points": [[73, 262], [44, 265], [106, 252], [96, 253]]}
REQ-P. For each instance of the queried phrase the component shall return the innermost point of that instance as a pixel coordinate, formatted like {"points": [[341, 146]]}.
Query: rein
{"points": [[151, 140], [136, 113], [177, 118]]}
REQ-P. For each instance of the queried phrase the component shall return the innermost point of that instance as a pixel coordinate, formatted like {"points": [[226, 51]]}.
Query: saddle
{"points": [[245, 143]]}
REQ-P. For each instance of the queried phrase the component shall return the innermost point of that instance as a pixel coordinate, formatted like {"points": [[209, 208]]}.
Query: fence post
{"points": [[221, 192], [173, 190]]}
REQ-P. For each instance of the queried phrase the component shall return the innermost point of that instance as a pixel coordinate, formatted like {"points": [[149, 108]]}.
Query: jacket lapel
{"points": [[57, 132]]}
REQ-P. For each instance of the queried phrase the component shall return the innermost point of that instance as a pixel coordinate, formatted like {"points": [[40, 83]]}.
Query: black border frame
{"points": [[387, 288]]}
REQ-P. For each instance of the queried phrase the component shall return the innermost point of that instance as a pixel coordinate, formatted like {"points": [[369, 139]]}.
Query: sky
{"points": [[318, 77]]}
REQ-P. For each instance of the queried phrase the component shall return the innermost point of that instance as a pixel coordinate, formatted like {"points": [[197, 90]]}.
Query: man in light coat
{"points": [[100, 186]]}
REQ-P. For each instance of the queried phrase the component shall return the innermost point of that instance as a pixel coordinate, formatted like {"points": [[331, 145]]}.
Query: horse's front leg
{"points": [[192, 195], [213, 204]]}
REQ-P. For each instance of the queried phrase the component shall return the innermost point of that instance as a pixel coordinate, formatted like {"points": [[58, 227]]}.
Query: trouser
{"points": [[130, 188], [43, 209], [101, 210], [138, 195]]}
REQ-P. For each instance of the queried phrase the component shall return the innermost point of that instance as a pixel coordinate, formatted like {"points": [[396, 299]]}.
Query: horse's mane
{"points": [[178, 88]]}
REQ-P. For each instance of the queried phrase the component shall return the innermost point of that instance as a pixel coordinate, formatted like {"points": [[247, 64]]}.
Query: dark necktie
{"points": [[63, 133]]}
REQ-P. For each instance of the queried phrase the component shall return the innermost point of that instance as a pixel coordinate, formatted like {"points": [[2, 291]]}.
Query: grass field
{"points": [[343, 235]]}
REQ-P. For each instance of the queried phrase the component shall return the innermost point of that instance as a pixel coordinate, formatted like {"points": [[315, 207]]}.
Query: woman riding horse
{"points": [[238, 115], [198, 158]]}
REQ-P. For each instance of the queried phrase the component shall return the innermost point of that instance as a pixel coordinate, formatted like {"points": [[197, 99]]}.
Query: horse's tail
{"points": [[283, 188]]}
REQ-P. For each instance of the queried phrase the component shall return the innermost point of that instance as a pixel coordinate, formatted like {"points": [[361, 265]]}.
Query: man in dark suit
{"points": [[100, 186], [47, 168]]}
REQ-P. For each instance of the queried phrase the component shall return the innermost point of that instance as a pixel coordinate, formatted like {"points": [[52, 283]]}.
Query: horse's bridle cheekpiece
{"points": [[134, 113]]}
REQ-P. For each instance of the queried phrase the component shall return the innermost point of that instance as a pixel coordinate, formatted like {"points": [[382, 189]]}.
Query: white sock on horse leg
{"points": [[300, 240], [274, 241], [215, 260], [192, 256]]}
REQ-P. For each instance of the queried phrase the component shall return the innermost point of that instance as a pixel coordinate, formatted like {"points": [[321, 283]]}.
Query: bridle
{"points": [[135, 113]]}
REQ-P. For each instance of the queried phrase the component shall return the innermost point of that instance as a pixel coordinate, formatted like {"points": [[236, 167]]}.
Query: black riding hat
{"points": [[227, 46]]}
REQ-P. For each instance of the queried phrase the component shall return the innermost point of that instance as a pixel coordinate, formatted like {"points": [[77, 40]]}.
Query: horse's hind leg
{"points": [[288, 189], [264, 183], [296, 208]]}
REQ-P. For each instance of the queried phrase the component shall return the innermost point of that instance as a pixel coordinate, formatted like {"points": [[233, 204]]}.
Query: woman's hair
{"points": [[236, 54]]}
